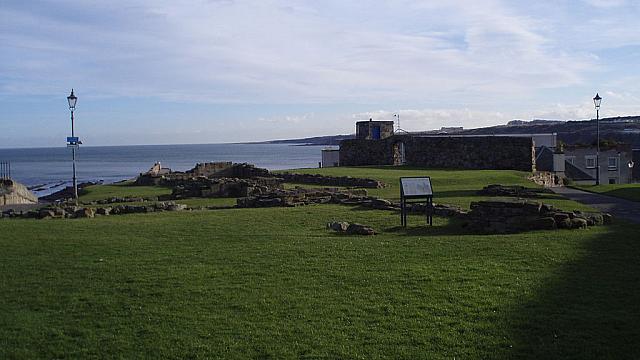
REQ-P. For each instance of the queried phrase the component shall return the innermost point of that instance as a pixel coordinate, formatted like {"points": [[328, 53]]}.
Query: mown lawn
{"points": [[274, 283], [624, 191]]}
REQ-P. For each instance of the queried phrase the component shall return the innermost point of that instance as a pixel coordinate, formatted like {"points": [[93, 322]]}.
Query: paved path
{"points": [[617, 207]]}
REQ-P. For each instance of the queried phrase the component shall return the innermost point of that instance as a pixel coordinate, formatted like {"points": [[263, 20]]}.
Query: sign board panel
{"points": [[416, 186], [73, 139]]}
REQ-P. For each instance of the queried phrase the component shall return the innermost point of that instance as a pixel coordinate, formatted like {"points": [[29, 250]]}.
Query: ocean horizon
{"points": [[48, 169]]}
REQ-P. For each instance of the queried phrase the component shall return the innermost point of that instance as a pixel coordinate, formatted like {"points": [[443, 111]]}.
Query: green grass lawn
{"points": [[274, 283], [624, 191], [126, 189]]}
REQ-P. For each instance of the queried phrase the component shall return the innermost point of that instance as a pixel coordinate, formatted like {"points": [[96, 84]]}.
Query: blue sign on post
{"points": [[72, 140]]}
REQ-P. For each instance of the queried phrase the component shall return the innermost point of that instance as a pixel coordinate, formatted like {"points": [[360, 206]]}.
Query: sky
{"points": [[217, 71]]}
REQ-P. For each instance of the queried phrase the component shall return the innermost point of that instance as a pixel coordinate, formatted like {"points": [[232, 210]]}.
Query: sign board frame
{"points": [[414, 190]]}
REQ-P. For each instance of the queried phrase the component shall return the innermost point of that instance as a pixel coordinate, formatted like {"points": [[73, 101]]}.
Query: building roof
{"points": [[575, 173]]}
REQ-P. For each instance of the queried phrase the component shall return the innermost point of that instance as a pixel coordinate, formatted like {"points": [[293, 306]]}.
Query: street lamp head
{"points": [[72, 100], [596, 101]]}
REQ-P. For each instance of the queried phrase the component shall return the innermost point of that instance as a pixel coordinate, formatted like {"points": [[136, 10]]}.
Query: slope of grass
{"points": [[624, 191]]}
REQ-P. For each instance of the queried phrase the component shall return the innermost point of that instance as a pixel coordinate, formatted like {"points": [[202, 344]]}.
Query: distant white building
{"points": [[330, 157]]}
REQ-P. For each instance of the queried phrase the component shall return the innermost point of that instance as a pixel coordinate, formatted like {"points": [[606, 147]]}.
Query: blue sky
{"points": [[210, 71]]}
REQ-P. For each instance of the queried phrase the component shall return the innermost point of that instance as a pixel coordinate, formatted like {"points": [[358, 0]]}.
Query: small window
{"points": [[570, 159], [590, 161], [613, 181], [613, 163]]}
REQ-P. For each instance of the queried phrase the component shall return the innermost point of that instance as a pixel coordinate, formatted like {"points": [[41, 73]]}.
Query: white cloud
{"points": [[270, 51]]}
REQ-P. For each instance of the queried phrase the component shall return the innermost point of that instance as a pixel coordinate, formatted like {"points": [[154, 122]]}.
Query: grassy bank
{"points": [[274, 283]]}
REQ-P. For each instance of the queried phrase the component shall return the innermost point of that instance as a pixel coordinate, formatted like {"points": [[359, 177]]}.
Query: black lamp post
{"points": [[73, 143], [596, 101]]}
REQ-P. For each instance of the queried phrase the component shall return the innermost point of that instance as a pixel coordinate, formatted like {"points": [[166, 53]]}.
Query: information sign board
{"points": [[416, 186], [416, 190]]}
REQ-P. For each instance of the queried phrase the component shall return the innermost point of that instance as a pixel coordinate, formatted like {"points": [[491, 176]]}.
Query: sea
{"points": [[46, 170]]}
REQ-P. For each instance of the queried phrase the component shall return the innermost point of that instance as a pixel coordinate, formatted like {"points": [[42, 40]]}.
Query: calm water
{"points": [[50, 168]]}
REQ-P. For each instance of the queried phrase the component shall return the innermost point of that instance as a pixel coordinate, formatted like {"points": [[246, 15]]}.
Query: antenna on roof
{"points": [[398, 129]]}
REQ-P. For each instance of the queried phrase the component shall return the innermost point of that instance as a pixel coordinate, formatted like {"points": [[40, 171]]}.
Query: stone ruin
{"points": [[226, 179], [158, 170], [225, 169], [202, 187], [517, 215], [301, 196], [14, 193], [75, 212]]}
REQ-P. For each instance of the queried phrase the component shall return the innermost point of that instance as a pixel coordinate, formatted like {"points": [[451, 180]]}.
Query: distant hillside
{"points": [[621, 129], [316, 140]]}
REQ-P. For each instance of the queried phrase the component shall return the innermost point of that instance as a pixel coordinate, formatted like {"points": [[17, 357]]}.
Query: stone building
{"points": [[374, 130], [446, 152]]}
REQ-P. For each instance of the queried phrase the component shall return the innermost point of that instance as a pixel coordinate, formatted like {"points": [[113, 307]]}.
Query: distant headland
{"points": [[624, 129]]}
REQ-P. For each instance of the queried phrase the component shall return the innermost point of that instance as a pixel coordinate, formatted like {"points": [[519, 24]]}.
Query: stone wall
{"points": [[512, 216], [202, 187], [227, 169], [14, 193], [546, 179], [224, 169], [482, 152]]}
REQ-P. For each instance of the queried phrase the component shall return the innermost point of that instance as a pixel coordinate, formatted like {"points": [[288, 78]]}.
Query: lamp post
{"points": [[73, 143], [596, 101]]}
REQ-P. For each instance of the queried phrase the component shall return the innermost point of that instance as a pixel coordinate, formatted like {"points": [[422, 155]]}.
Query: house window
{"points": [[590, 161], [613, 181], [613, 163], [570, 159]]}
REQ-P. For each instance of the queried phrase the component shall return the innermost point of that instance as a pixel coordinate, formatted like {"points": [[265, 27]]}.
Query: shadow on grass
{"points": [[590, 308], [632, 194], [417, 226]]}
